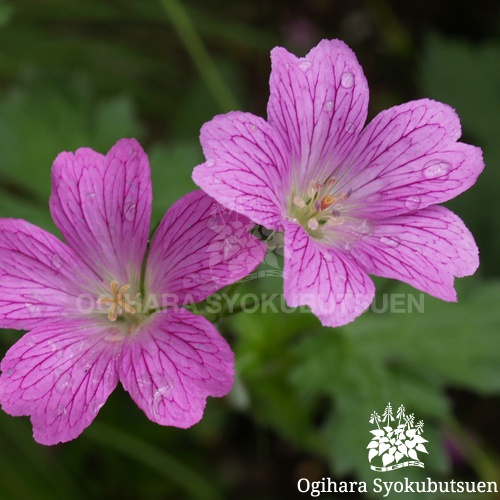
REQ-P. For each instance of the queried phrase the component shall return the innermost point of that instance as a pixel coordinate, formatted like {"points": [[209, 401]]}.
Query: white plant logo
{"points": [[393, 445]]}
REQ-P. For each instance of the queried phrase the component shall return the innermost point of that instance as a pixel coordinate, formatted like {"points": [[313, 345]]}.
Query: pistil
{"points": [[117, 303]]}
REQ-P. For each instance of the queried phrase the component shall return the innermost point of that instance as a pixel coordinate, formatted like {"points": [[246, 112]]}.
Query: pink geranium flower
{"points": [[351, 201], [100, 309]]}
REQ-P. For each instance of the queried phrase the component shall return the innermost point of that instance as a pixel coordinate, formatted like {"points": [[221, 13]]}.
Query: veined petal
{"points": [[327, 280], [60, 375], [407, 158], [318, 104], [199, 247], [40, 277], [102, 205], [246, 168], [426, 249], [176, 360]]}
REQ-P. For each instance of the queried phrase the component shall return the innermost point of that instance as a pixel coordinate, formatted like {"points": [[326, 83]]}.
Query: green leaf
{"points": [[466, 77], [171, 168], [46, 114], [408, 359]]}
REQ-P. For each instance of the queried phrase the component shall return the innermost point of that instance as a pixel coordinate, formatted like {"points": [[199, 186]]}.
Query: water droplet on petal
{"points": [[94, 407], [253, 128], [63, 382], [390, 241], [61, 411], [130, 209], [305, 64], [349, 127], [412, 202], [57, 261], [161, 393], [217, 180], [436, 168], [213, 222], [91, 196], [329, 106], [33, 309], [365, 228], [347, 80], [210, 162]]}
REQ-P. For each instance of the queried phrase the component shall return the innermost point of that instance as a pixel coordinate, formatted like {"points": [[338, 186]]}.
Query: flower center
{"points": [[320, 206], [118, 302]]}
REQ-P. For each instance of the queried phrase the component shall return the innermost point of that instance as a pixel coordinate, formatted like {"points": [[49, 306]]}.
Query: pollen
{"points": [[322, 205], [117, 303]]}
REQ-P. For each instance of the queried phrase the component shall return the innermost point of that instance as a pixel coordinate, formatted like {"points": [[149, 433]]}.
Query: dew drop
{"points": [[365, 228], [130, 209], [161, 393], [94, 407], [63, 382], [305, 64], [91, 196], [57, 261], [412, 202], [349, 127], [61, 411], [328, 106], [210, 162], [436, 168], [253, 128], [347, 80], [390, 241], [213, 222], [33, 309], [217, 180]]}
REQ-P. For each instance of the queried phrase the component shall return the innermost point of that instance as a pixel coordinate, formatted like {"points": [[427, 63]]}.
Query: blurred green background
{"points": [[79, 73]]}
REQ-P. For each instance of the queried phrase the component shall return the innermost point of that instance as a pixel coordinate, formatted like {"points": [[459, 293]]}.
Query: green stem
{"points": [[239, 308], [199, 55], [169, 467]]}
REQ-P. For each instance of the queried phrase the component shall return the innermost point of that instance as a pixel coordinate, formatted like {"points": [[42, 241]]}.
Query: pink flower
{"points": [[351, 201], [106, 307]]}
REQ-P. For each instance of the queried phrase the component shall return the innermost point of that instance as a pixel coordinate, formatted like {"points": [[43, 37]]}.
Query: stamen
{"points": [[312, 189], [299, 202], [330, 182], [117, 302], [313, 224], [334, 221], [326, 202]]}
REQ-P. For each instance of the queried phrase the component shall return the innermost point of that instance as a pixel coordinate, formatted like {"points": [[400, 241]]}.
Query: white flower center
{"points": [[321, 206]]}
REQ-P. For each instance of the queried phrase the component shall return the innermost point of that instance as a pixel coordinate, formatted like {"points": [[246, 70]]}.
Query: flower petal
{"points": [[40, 277], [407, 158], [173, 364], [426, 249], [198, 248], [246, 167], [102, 205], [318, 104], [328, 281], [60, 375]]}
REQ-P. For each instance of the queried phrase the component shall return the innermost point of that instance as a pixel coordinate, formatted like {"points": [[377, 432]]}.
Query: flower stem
{"points": [[199, 54]]}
